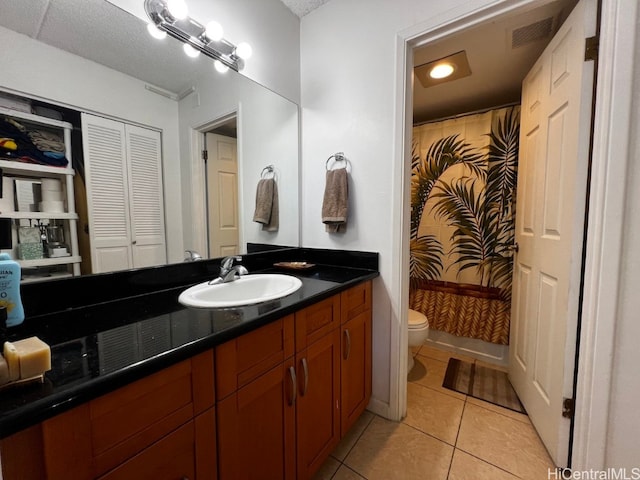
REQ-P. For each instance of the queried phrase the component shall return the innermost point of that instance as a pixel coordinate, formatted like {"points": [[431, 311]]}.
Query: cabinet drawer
{"points": [[355, 301], [171, 458], [314, 322], [243, 359], [130, 419]]}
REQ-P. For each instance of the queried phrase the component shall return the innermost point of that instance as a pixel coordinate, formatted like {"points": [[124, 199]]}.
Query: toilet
{"points": [[418, 331]]}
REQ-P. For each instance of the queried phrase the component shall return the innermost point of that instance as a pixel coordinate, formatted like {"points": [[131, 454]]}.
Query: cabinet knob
{"points": [[133, 243]]}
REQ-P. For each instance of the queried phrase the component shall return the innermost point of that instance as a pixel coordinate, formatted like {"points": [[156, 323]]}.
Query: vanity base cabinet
{"points": [[147, 429], [318, 408], [273, 405], [256, 428], [355, 364], [256, 391]]}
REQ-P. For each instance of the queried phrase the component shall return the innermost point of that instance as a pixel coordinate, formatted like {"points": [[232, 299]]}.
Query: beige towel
{"points": [[267, 211], [336, 201]]}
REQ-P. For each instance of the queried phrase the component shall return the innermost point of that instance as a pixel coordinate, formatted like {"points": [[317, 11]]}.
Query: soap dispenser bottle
{"points": [[10, 290]]}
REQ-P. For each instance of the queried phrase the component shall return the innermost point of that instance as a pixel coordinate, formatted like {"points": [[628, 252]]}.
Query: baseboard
{"points": [[478, 349], [381, 408]]}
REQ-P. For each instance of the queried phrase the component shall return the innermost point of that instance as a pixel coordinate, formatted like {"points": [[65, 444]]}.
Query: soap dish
{"points": [[23, 381], [294, 265]]}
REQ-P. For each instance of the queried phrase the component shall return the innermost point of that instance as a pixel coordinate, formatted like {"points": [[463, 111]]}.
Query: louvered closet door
{"points": [[107, 193], [146, 196]]}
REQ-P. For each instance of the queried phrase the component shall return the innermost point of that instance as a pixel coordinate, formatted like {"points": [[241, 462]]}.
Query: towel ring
{"points": [[268, 170], [337, 157]]}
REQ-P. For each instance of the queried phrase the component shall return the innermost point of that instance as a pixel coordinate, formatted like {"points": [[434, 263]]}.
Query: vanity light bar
{"points": [[192, 33]]}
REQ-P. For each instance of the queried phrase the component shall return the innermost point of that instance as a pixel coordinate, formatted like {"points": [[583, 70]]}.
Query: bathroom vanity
{"points": [[142, 387]]}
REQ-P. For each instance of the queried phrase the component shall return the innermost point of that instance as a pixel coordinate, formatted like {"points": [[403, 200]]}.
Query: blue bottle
{"points": [[10, 290]]}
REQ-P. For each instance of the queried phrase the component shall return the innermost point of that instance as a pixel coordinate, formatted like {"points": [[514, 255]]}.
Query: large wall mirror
{"points": [[97, 59]]}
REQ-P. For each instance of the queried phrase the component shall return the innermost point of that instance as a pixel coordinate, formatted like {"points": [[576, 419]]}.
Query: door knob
{"points": [[515, 247]]}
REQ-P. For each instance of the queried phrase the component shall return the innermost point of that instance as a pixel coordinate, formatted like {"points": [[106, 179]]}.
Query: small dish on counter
{"points": [[294, 265]]}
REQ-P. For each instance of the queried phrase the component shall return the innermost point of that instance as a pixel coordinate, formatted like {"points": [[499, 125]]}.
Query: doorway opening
{"points": [[221, 178], [547, 18], [215, 167]]}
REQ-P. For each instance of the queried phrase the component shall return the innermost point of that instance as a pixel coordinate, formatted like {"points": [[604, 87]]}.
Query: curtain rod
{"points": [[466, 114]]}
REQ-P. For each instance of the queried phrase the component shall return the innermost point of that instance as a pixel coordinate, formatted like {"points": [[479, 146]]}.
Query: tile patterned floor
{"points": [[445, 436]]}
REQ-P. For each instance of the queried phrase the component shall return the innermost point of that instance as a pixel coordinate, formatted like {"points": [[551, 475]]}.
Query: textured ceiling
{"points": [[121, 43], [302, 7]]}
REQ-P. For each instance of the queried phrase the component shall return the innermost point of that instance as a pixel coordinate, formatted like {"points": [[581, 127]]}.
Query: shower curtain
{"points": [[462, 222]]}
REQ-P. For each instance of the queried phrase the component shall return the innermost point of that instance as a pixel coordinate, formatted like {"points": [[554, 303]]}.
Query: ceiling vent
{"points": [[532, 33]]}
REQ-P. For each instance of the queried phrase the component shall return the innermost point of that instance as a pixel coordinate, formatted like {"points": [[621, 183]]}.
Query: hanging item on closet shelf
{"points": [[335, 203], [267, 210]]}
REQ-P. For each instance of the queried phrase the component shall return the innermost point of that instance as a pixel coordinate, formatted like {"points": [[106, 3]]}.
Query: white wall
{"points": [[39, 70], [267, 134], [267, 25], [348, 74]]}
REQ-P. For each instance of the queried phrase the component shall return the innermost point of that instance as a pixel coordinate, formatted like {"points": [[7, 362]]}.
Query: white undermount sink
{"points": [[245, 290]]}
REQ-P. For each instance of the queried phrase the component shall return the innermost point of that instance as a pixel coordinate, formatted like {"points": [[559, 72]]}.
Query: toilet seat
{"points": [[417, 320]]}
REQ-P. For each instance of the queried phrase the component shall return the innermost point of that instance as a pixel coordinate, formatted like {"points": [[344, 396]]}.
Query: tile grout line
{"points": [[440, 391], [500, 413], [489, 463], [428, 434], [341, 462]]}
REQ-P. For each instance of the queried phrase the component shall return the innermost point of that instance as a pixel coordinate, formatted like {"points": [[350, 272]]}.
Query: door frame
{"points": [[199, 207], [614, 87]]}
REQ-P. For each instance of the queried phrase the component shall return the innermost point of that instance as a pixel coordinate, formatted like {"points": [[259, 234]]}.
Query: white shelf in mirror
{"points": [[40, 215], [34, 171], [49, 262]]}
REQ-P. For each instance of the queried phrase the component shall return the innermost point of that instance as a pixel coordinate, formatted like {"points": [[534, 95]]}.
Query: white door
{"points": [[222, 184], [552, 180], [144, 158], [107, 193]]}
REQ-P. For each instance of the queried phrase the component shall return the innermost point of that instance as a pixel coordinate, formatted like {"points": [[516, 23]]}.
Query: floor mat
{"points": [[481, 382]]}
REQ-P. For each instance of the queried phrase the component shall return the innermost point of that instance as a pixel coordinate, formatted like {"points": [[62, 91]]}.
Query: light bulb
{"points": [[155, 32], [178, 9], [214, 31], [190, 51], [244, 50], [220, 67], [442, 70]]}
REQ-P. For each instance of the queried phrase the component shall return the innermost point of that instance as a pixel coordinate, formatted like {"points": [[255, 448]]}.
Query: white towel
{"points": [[335, 204]]}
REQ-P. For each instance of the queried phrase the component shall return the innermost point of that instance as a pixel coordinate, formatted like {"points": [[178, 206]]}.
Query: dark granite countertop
{"points": [[99, 347]]}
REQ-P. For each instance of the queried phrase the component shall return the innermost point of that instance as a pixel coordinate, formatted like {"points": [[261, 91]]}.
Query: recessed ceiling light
{"points": [[441, 70]]}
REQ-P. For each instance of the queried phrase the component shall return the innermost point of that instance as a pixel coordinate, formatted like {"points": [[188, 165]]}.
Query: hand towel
{"points": [[267, 211], [336, 201]]}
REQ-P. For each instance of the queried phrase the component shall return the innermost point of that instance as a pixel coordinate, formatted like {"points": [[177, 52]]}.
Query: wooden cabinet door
{"points": [[256, 428], [171, 458], [355, 368], [318, 408]]}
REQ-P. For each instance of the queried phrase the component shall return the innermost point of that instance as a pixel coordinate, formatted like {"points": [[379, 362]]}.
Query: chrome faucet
{"points": [[228, 271], [191, 256]]}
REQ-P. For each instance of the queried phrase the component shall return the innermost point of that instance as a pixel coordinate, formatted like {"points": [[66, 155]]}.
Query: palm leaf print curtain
{"points": [[462, 222]]}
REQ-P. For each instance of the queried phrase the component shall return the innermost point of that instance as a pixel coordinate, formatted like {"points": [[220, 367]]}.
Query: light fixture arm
{"points": [[192, 33]]}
